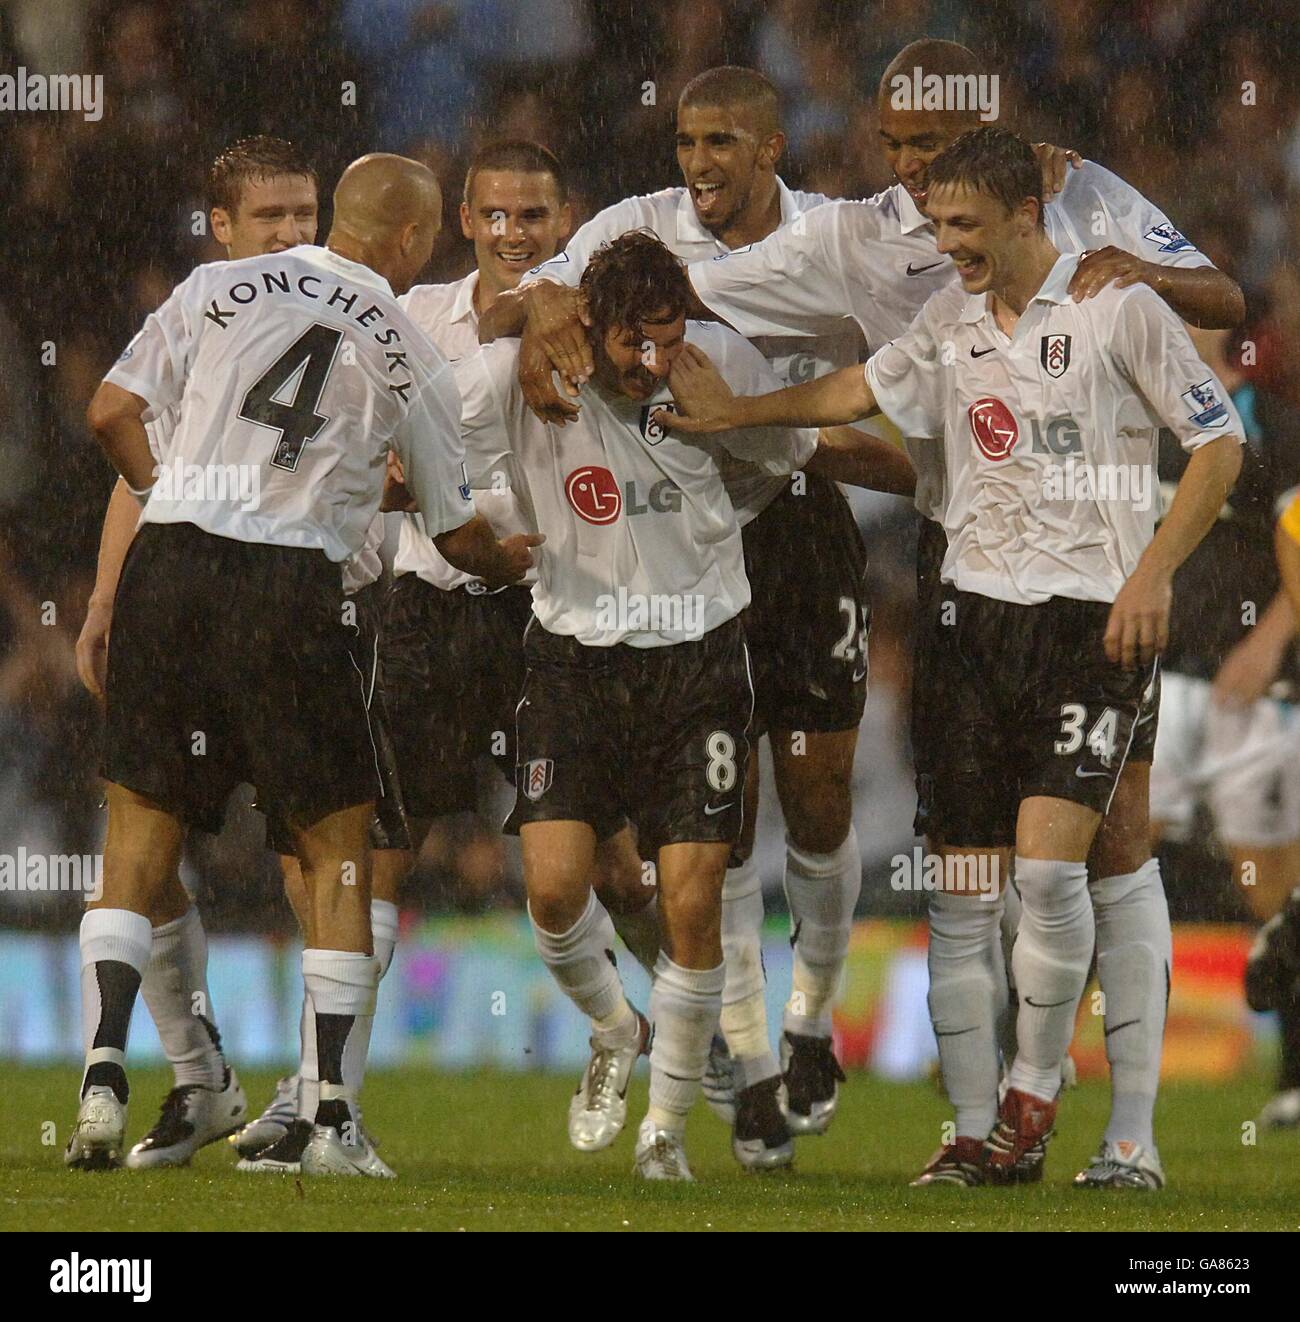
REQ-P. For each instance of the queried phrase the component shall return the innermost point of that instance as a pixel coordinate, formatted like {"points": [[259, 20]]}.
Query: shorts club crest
{"points": [[537, 777]]}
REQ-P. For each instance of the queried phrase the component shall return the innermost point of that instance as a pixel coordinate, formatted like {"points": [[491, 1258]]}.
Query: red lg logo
{"points": [[594, 494], [993, 427]]}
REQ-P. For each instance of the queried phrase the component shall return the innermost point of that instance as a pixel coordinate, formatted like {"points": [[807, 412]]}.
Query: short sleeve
{"points": [[155, 363], [906, 377], [1153, 350], [1107, 210], [429, 443]]}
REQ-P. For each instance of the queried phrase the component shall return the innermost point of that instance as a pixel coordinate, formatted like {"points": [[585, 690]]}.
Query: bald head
{"points": [[387, 213], [931, 56]]}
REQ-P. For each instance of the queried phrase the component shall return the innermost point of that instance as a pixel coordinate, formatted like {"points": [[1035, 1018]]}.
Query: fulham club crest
{"points": [[651, 431], [1055, 354], [537, 777]]}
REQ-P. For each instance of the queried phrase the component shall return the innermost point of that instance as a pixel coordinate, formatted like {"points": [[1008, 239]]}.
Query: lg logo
{"points": [[597, 497]]}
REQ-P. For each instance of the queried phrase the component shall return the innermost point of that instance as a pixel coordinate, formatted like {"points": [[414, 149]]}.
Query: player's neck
{"points": [[1011, 298], [755, 223], [487, 291], [357, 250]]}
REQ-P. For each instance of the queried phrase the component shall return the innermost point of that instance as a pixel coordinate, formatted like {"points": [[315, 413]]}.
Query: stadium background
{"points": [[100, 223]]}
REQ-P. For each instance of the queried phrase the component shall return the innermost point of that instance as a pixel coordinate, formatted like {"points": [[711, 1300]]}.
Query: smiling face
{"points": [[516, 221], [634, 361], [272, 214], [911, 139], [727, 160], [988, 243]]}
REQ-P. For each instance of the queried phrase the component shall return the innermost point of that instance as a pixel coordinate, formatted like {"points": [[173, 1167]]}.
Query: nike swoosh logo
{"points": [[1086, 775], [1051, 1005], [711, 811], [920, 270], [979, 353], [859, 676], [1128, 1023]]}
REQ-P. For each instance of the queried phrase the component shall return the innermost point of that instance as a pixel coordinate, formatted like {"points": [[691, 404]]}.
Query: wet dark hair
{"points": [[517, 154], [632, 280], [252, 160], [993, 161]]}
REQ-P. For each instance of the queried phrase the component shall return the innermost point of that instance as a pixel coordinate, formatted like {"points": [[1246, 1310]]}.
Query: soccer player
{"points": [[636, 628], [1228, 732], [807, 624], [263, 198], [876, 261], [232, 653], [1060, 594]]}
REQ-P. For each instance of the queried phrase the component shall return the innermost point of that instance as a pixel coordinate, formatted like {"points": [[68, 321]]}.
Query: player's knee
{"points": [[556, 899], [820, 813]]}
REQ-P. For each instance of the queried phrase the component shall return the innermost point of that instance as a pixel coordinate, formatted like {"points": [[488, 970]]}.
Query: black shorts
{"points": [[1031, 706], [655, 734], [229, 662], [388, 829], [1144, 737], [453, 666], [808, 618], [927, 719]]}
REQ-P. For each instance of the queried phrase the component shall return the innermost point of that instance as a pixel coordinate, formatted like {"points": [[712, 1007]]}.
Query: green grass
{"points": [[489, 1152]]}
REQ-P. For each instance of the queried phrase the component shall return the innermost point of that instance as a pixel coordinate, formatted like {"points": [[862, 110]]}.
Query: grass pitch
{"points": [[490, 1152]]}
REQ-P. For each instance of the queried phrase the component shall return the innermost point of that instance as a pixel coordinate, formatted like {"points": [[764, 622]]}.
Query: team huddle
{"points": [[624, 559]]}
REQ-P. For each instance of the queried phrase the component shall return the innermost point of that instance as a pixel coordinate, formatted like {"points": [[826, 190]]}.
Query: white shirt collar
{"points": [[1054, 289], [462, 305], [343, 266], [689, 229], [910, 216]]}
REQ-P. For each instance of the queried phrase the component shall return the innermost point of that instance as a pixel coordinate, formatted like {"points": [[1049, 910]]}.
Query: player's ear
{"points": [[465, 227], [566, 220], [223, 225], [772, 148]]}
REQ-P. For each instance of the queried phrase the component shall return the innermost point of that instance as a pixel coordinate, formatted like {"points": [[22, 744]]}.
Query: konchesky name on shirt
{"points": [[680, 614]]}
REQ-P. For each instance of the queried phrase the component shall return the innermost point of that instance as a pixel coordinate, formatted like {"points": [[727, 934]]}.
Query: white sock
{"points": [[1007, 999], [1134, 958], [964, 976], [684, 1008], [110, 937], [383, 932], [175, 988], [822, 890], [308, 1070], [640, 933], [581, 961], [1051, 959], [342, 983], [744, 1005]]}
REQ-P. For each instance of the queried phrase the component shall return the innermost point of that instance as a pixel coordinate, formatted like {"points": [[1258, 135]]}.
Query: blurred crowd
{"points": [[1186, 99]]}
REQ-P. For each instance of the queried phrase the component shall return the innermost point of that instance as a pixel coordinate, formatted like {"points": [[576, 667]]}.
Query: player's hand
{"points": [[1247, 672], [538, 384], [516, 558], [1054, 162], [92, 648], [396, 496], [704, 399], [1106, 266], [558, 320], [1138, 628]]}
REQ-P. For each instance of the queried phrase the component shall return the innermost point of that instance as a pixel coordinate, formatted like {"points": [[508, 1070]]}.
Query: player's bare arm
{"points": [[708, 404], [1202, 295], [474, 548], [115, 419], [120, 521], [1056, 161], [1251, 667], [1138, 628], [845, 454]]}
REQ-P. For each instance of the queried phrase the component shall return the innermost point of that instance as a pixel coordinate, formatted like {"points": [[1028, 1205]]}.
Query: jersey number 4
{"points": [[305, 366]]}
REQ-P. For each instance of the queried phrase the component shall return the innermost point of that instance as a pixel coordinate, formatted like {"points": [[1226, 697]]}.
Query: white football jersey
{"points": [[445, 313], [1049, 436], [293, 374], [876, 262], [642, 541], [670, 214]]}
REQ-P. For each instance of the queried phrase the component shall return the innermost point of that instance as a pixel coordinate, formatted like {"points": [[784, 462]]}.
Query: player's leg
{"points": [[206, 1102], [823, 878], [575, 938], [628, 890], [141, 852], [1134, 967], [686, 1000]]}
